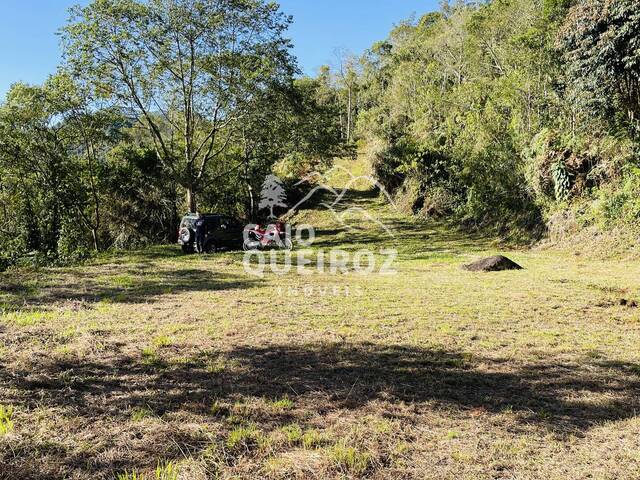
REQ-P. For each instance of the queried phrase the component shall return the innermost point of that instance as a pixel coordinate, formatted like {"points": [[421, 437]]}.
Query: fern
{"points": [[561, 180]]}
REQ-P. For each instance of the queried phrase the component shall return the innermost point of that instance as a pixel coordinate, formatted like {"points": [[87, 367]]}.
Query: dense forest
{"points": [[511, 115]]}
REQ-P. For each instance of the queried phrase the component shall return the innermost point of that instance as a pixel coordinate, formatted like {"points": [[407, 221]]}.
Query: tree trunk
{"points": [[349, 117], [173, 234], [191, 200], [94, 235], [251, 201]]}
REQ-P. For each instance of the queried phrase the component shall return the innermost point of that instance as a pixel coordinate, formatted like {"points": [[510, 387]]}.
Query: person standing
{"points": [[200, 233]]}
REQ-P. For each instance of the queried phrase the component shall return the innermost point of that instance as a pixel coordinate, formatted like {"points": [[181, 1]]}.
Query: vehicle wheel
{"points": [[185, 235], [248, 245], [210, 247], [187, 249]]}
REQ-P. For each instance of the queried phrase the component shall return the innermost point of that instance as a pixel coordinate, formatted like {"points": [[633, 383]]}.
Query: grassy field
{"points": [[156, 365]]}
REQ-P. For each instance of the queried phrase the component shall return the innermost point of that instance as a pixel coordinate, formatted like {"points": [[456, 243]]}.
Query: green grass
{"points": [[243, 437], [150, 357], [349, 459], [284, 403], [28, 318], [431, 373], [138, 414], [6, 419], [312, 439], [162, 341], [293, 433], [124, 281], [164, 471]]}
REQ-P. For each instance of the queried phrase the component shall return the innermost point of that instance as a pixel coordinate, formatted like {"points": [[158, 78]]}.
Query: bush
{"points": [[619, 203], [5, 262], [560, 167]]}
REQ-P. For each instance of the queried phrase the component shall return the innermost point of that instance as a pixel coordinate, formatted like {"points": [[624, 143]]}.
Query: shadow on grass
{"points": [[122, 285], [367, 371], [320, 378], [412, 240], [153, 253]]}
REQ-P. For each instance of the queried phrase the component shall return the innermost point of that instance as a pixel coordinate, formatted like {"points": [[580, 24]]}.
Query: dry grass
{"points": [[153, 358]]}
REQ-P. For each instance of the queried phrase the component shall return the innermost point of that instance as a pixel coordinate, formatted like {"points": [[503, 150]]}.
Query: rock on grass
{"points": [[492, 264]]}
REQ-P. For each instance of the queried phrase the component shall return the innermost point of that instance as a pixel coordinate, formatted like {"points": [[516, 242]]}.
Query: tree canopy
{"points": [[500, 113], [187, 71], [160, 107]]}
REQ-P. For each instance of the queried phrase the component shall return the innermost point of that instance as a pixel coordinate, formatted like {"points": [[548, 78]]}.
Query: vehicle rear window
{"points": [[188, 222]]}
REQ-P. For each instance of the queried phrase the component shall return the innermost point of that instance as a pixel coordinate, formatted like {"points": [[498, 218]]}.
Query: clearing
{"points": [[152, 357]]}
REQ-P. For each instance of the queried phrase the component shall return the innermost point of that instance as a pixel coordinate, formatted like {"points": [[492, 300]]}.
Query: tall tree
{"points": [[51, 145], [347, 82], [601, 44], [186, 70]]}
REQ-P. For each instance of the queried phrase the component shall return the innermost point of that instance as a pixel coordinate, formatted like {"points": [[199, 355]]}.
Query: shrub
{"points": [[619, 203]]}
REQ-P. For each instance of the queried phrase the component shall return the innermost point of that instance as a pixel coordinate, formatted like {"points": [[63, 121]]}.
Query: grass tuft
{"points": [[6, 419], [349, 459], [284, 403], [164, 471], [151, 358], [123, 281], [243, 437], [162, 341], [140, 413], [312, 439], [218, 408], [293, 433]]}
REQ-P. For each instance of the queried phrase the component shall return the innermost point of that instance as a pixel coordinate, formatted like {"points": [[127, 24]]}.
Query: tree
{"points": [[600, 44], [185, 70], [272, 195], [347, 80], [51, 146], [33, 170], [448, 103], [315, 130]]}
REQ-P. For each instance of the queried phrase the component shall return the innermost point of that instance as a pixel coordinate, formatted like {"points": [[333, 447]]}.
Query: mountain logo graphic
{"points": [[273, 195]]}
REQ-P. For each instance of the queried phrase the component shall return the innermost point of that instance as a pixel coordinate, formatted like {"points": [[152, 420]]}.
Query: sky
{"points": [[30, 48]]}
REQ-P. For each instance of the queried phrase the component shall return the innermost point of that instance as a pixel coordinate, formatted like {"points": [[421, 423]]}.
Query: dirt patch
{"points": [[492, 264], [628, 303]]}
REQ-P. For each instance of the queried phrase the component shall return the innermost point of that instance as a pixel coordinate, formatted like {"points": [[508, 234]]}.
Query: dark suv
{"points": [[221, 232]]}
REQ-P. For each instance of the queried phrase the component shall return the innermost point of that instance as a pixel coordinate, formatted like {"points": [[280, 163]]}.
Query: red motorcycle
{"points": [[272, 236]]}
